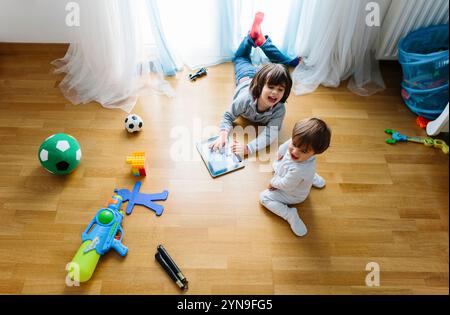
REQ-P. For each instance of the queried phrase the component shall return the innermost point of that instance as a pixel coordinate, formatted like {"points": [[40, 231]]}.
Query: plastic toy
{"points": [[164, 259], [146, 200], [137, 161], [103, 233], [133, 123], [60, 154], [422, 122], [427, 141], [201, 72]]}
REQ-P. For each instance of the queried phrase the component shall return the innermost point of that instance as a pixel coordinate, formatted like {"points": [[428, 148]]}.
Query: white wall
{"points": [[34, 21]]}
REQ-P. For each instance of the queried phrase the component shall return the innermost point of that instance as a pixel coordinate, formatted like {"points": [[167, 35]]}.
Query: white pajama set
{"points": [[293, 181]]}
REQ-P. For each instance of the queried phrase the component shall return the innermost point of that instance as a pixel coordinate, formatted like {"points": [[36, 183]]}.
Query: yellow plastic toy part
{"points": [[137, 161], [440, 144], [431, 143]]}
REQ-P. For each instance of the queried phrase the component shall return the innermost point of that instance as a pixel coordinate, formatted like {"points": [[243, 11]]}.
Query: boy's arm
{"points": [[288, 182], [236, 109], [283, 148], [268, 135]]}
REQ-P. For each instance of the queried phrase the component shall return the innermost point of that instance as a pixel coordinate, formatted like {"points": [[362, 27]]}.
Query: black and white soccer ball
{"points": [[133, 123]]}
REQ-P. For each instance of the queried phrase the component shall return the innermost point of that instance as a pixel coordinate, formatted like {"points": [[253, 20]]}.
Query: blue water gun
{"points": [[103, 233]]}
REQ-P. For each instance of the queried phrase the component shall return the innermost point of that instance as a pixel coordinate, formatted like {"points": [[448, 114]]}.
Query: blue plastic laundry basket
{"points": [[423, 55], [427, 103]]}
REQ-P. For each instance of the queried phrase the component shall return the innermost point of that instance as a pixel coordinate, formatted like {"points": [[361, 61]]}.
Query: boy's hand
{"points": [[220, 142], [271, 188], [238, 148]]}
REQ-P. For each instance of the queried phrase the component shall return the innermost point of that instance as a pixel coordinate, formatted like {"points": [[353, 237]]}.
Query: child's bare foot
{"points": [[255, 32]]}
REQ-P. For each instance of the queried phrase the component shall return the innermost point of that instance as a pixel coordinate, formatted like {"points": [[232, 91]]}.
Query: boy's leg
{"points": [[255, 32], [243, 69], [269, 199], [265, 43], [276, 56], [243, 66]]}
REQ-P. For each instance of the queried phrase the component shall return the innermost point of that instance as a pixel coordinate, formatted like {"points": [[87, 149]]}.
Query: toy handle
{"points": [[119, 247], [440, 144], [391, 141]]}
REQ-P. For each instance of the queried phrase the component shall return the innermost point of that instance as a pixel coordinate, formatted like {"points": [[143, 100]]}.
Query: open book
{"points": [[219, 162]]}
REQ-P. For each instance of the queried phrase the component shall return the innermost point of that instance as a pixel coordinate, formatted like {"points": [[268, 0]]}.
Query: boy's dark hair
{"points": [[312, 133], [272, 74]]}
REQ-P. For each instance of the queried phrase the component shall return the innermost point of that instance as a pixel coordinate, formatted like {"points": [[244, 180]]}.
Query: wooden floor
{"points": [[383, 204]]}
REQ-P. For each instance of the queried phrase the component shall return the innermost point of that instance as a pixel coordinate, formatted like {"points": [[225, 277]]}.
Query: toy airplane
{"points": [[427, 141], [198, 74]]}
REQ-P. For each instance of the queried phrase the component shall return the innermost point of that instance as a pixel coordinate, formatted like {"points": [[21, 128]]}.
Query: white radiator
{"points": [[405, 16]]}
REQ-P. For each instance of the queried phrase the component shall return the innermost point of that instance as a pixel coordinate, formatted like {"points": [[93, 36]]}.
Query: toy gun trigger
{"points": [[119, 234]]}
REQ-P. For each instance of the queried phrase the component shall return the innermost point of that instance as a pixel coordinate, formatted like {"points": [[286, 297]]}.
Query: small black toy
{"points": [[201, 72], [171, 268]]}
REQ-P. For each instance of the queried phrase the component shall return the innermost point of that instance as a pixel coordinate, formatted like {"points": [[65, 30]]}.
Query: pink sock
{"points": [[255, 32]]}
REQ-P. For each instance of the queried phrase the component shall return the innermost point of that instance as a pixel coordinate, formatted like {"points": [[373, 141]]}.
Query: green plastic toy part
{"points": [[83, 263], [105, 216]]}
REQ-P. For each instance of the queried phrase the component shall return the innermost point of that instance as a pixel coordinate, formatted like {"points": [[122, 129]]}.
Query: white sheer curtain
{"points": [[336, 43], [123, 46], [202, 32], [275, 22], [208, 32], [109, 62]]}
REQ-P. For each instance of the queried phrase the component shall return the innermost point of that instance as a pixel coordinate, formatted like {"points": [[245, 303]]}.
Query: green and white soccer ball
{"points": [[60, 154]]}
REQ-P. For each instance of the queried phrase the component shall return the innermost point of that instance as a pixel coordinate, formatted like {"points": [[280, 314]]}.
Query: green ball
{"points": [[60, 154], [105, 216]]}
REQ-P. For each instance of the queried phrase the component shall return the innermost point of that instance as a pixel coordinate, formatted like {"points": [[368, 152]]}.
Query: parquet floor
{"points": [[383, 204]]}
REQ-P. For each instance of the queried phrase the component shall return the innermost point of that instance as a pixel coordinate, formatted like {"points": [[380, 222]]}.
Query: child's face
{"points": [[271, 95], [300, 154]]}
